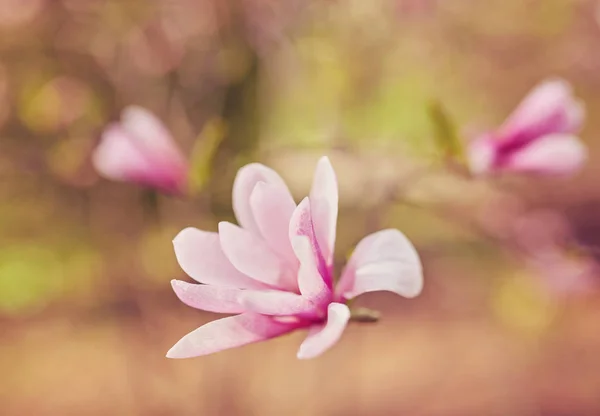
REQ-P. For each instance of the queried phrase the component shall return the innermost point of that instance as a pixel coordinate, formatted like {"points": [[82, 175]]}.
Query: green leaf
{"points": [[203, 153], [445, 134]]}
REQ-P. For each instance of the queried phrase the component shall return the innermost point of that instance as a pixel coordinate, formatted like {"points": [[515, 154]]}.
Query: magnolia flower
{"points": [[539, 136], [544, 238], [275, 270], [141, 150]]}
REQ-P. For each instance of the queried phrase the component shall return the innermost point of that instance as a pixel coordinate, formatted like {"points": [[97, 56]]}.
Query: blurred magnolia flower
{"points": [[539, 136], [544, 238], [275, 270], [564, 273], [141, 150]]}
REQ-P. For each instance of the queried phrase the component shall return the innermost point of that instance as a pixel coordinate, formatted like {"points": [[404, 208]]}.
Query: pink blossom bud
{"points": [[538, 137], [140, 149]]}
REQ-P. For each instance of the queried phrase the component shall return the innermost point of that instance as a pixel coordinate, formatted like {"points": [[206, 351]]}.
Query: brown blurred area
{"points": [[86, 308]]}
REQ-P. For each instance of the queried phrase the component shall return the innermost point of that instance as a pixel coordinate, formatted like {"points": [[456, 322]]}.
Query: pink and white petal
{"points": [[481, 154], [208, 298], [555, 154], [384, 260], [226, 333], [199, 254], [150, 133], [277, 303], [310, 282], [301, 225], [301, 222], [548, 108], [324, 208], [243, 185], [117, 158], [321, 338], [273, 206], [252, 256]]}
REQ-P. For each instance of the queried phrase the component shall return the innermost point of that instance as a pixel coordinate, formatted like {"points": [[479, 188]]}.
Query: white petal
{"points": [[385, 260], [321, 338], [324, 208], [243, 186], [252, 256], [199, 254], [230, 332]]}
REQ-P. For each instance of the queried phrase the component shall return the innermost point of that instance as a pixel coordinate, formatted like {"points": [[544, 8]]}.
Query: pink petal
{"points": [[481, 155], [117, 158], [324, 208], [230, 332], [252, 256], [151, 134], [384, 260], [245, 181], [553, 154], [548, 108], [199, 254], [301, 225], [208, 298], [273, 206], [311, 283], [141, 150], [275, 302], [321, 338]]}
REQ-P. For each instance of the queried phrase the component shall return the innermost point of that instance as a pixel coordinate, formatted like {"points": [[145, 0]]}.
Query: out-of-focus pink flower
{"points": [[543, 236], [563, 273], [275, 270], [141, 150], [539, 137]]}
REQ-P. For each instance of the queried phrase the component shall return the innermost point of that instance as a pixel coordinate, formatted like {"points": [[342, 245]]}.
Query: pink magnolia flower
{"points": [[544, 238], [275, 270], [538, 137], [141, 150]]}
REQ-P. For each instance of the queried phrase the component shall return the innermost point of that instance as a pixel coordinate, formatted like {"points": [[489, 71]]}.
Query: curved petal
{"points": [[230, 332], [301, 225], [324, 208], [117, 158], [152, 161], [548, 108], [553, 154], [208, 298], [252, 256], [150, 133], [310, 282], [199, 254], [243, 185], [273, 206], [321, 338], [384, 260], [275, 302]]}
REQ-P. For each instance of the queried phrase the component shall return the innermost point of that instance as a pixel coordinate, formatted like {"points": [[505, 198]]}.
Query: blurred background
{"points": [[86, 308]]}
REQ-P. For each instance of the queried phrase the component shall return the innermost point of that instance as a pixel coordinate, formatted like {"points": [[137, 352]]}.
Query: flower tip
{"points": [[182, 234], [172, 354], [324, 159], [225, 226], [303, 354], [182, 349], [414, 291], [133, 111]]}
